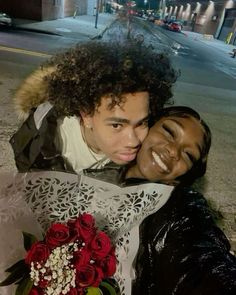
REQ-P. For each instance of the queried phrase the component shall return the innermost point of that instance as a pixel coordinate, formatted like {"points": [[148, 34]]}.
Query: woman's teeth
{"points": [[159, 161]]}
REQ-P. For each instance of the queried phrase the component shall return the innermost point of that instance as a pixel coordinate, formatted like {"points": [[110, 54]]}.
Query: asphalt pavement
{"points": [[210, 41], [92, 27]]}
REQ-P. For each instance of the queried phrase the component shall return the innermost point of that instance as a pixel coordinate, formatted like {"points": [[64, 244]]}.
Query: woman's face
{"points": [[172, 146]]}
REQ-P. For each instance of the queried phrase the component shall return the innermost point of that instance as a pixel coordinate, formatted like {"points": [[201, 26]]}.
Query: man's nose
{"points": [[133, 139]]}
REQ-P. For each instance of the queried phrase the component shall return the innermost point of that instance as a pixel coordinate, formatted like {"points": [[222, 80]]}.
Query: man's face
{"points": [[119, 132], [172, 146]]}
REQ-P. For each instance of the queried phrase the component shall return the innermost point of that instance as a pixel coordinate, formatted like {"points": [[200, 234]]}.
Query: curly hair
{"points": [[82, 75]]}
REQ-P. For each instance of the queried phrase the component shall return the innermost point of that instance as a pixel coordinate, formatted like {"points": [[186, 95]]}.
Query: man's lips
{"points": [[127, 157], [159, 161]]}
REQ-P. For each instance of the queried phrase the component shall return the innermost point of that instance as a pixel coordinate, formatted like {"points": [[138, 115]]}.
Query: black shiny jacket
{"points": [[183, 252]]}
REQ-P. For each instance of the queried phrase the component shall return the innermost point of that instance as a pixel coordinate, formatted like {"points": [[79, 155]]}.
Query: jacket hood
{"points": [[32, 92]]}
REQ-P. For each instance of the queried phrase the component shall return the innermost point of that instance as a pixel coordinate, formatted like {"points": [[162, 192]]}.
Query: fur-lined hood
{"points": [[32, 92]]}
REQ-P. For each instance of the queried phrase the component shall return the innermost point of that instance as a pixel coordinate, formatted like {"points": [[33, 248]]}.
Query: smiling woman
{"points": [[175, 149]]}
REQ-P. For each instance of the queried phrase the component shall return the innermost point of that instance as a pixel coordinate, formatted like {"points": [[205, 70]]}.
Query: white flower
{"points": [[57, 270]]}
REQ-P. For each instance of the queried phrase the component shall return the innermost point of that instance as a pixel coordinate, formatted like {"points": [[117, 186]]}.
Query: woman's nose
{"points": [[173, 150]]}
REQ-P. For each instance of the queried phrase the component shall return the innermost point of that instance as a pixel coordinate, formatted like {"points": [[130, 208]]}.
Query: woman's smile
{"points": [[158, 160]]}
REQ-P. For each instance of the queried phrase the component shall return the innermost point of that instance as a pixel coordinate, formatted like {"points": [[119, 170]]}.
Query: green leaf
{"points": [[12, 278], [19, 265], [93, 291], [29, 239], [24, 286], [17, 271], [108, 287]]}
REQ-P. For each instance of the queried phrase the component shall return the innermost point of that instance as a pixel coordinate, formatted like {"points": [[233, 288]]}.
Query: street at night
{"points": [[118, 147], [207, 83]]}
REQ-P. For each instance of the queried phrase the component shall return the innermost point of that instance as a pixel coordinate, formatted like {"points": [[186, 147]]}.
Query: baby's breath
{"points": [[57, 270]]}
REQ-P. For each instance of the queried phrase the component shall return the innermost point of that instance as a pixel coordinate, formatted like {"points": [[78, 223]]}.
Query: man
{"points": [[90, 105]]}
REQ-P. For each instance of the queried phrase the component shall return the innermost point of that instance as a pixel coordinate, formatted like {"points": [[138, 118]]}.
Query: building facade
{"points": [[217, 18], [41, 10]]}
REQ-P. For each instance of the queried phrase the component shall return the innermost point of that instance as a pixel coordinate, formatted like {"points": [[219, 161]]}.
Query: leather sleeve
{"points": [[182, 251], [34, 148]]}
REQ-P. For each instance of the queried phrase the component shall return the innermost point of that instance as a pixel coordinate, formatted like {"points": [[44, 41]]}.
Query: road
{"points": [[45, 43], [207, 83]]}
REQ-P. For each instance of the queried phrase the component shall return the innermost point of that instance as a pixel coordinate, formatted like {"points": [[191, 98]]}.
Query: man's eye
{"points": [[168, 130], [116, 126]]}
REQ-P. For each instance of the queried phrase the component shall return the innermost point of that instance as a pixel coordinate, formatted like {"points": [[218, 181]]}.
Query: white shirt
{"points": [[69, 141], [74, 149]]}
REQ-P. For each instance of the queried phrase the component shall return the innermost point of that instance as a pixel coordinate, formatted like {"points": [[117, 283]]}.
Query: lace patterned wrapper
{"points": [[15, 217], [59, 196]]}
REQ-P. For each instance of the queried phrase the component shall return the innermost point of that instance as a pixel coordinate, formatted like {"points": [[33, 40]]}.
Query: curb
{"points": [[35, 30]]}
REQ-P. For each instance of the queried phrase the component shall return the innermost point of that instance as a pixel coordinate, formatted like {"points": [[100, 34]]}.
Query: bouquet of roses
{"points": [[73, 259]]}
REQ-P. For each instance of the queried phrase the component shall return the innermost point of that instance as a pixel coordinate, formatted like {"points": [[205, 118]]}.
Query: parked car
{"points": [[153, 17], [175, 26], [5, 19]]}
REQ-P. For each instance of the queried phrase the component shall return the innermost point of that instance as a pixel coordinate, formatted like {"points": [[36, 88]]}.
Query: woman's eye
{"points": [[190, 157], [143, 124], [168, 130]]}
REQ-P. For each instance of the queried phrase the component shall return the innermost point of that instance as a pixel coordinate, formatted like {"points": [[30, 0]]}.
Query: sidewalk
{"points": [[210, 41], [69, 26]]}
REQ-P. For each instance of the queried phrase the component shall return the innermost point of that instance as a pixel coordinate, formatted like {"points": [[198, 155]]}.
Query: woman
{"points": [[181, 250]]}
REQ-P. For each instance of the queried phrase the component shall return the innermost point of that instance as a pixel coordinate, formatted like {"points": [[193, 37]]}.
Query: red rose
{"points": [[108, 265], [35, 291], [81, 258], [57, 235], [85, 226], [73, 291], [100, 245], [99, 276], [85, 276], [38, 252], [73, 230], [42, 283], [88, 275]]}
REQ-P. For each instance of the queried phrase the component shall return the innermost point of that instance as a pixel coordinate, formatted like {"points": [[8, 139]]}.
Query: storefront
{"points": [[217, 18]]}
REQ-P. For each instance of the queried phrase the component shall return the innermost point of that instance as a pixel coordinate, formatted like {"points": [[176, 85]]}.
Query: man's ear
{"points": [[86, 120]]}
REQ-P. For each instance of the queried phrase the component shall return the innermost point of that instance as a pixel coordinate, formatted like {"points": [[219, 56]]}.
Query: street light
{"points": [[96, 16], [147, 2]]}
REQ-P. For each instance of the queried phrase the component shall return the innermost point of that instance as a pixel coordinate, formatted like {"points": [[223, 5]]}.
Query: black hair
{"points": [[85, 73]]}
